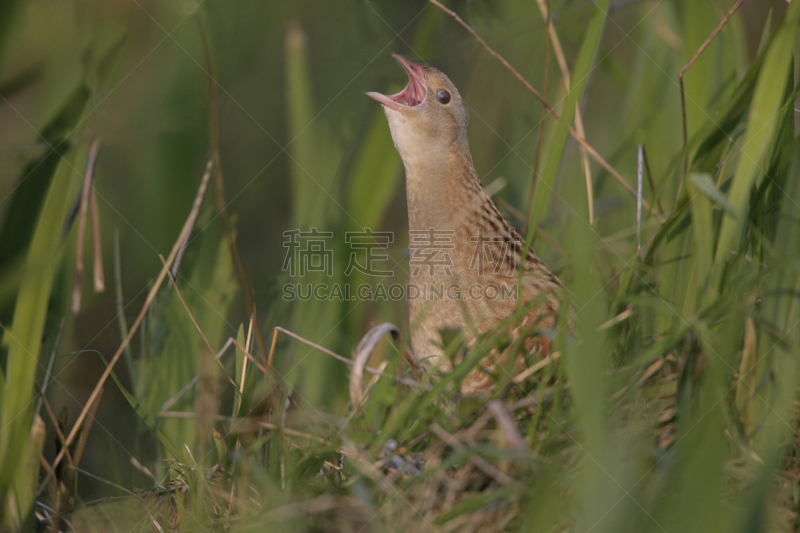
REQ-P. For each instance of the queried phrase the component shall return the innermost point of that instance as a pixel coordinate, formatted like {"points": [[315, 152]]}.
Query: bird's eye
{"points": [[443, 96]]}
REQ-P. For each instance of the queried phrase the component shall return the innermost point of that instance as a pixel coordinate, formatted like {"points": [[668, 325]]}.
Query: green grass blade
{"points": [[316, 204], [375, 175], [552, 158], [146, 418], [761, 127], [701, 189], [24, 337]]}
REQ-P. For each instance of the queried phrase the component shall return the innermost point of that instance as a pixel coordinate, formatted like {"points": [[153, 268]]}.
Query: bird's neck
{"points": [[441, 187]]}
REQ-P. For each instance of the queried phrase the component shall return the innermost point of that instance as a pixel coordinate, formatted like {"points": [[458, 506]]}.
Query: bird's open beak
{"points": [[414, 93]]}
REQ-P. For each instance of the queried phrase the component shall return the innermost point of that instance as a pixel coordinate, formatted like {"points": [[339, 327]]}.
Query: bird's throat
{"points": [[441, 183], [439, 191]]}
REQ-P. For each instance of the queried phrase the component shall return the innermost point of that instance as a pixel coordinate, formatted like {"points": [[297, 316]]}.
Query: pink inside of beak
{"points": [[413, 94]]}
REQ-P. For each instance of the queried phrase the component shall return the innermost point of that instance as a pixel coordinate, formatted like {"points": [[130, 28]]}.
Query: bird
{"points": [[462, 250]]}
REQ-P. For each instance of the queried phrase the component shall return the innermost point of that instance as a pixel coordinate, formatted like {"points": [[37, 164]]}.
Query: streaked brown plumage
{"points": [[449, 210]]}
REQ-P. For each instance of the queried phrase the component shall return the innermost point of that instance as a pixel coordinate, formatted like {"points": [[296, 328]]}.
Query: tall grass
{"points": [[669, 401]]}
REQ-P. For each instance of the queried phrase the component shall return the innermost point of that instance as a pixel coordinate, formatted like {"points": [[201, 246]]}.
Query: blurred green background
{"points": [[302, 147]]}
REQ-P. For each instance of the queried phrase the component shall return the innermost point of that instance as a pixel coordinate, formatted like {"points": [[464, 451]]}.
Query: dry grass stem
{"points": [[279, 387], [199, 200], [148, 301], [245, 425], [88, 177], [657, 199], [543, 116], [528, 372], [345, 360], [80, 446], [573, 132], [102, 480], [60, 437], [196, 325], [247, 344], [97, 249], [699, 51], [552, 36], [219, 183], [488, 469], [613, 321], [508, 427], [186, 388]]}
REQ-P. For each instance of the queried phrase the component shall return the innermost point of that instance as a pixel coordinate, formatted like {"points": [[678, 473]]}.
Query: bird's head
{"points": [[426, 115]]}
